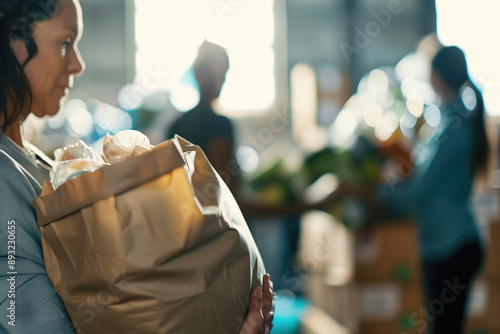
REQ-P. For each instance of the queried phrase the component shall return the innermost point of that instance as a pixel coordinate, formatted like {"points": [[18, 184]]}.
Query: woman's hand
{"points": [[261, 312]]}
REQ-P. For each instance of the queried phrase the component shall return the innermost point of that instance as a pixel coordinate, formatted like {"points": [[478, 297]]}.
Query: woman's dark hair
{"points": [[17, 19], [450, 63]]}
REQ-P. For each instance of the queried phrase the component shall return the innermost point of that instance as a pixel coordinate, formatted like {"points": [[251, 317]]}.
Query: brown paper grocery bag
{"points": [[154, 244]]}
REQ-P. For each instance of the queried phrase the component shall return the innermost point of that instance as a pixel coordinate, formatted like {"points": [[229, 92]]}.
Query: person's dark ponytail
{"points": [[481, 144], [450, 63]]}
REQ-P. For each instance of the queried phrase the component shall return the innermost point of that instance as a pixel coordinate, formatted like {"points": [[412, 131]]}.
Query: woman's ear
{"points": [[19, 49]]}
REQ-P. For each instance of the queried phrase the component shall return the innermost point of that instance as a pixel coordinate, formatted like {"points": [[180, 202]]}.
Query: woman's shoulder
{"points": [[8, 164], [13, 177]]}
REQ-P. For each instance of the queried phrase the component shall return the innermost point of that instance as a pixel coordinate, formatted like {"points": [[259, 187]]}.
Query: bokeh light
{"points": [[247, 158], [432, 116], [387, 126], [372, 115], [342, 132], [131, 97], [184, 97], [80, 120], [469, 98], [378, 82], [415, 105], [111, 119]]}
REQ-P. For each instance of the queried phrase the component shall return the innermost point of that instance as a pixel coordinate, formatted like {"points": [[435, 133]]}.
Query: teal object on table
{"points": [[288, 314]]}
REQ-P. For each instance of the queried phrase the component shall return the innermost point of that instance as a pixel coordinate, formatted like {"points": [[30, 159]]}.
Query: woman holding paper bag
{"points": [[39, 58]]}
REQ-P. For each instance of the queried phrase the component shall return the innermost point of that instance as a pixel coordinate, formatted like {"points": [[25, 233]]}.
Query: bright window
{"points": [[473, 25], [169, 32]]}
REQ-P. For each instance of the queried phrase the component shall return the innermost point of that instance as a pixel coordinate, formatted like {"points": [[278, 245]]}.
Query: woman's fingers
{"points": [[261, 310], [254, 320], [268, 298]]}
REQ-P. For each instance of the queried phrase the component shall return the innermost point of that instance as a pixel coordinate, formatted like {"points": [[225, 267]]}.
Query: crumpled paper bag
{"points": [[154, 244]]}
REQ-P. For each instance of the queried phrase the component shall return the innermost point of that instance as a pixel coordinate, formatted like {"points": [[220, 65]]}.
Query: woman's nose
{"points": [[76, 65]]}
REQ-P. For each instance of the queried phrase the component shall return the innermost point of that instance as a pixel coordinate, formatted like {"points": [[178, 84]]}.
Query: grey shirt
{"points": [[37, 307]]}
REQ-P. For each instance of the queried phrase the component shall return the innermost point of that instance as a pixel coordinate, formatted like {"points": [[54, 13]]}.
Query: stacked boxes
{"points": [[387, 273], [383, 293], [327, 258]]}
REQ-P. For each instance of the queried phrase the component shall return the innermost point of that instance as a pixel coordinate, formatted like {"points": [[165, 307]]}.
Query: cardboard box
{"points": [[316, 321], [326, 247], [484, 307], [391, 307], [389, 253], [491, 267], [398, 306], [339, 302]]}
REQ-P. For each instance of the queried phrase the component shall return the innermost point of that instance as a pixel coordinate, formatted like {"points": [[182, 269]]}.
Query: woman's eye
{"points": [[65, 45]]}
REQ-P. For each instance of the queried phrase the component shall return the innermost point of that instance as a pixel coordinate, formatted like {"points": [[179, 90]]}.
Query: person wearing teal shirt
{"points": [[39, 58], [438, 195]]}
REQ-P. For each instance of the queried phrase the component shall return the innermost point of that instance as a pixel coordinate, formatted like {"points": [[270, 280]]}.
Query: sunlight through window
{"points": [[474, 27], [169, 32]]}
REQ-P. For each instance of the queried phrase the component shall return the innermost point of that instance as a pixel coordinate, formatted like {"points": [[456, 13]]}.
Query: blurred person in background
{"points": [[39, 59], [214, 133], [438, 193]]}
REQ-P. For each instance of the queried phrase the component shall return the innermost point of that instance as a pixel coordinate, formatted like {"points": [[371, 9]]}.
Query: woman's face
{"points": [[50, 73]]}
